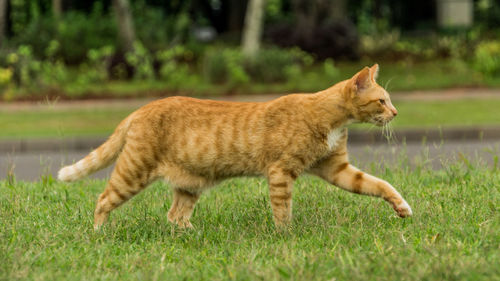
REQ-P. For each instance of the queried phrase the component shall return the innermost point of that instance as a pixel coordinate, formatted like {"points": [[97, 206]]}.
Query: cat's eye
{"points": [[381, 101]]}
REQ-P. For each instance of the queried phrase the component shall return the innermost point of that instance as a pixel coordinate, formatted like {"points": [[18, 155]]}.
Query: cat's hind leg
{"points": [[187, 188], [280, 192], [131, 174], [182, 208]]}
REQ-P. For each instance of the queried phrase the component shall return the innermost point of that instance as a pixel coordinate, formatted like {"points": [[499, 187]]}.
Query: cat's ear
{"points": [[362, 80], [374, 72]]}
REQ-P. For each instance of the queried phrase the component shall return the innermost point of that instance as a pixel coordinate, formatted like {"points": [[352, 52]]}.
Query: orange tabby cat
{"points": [[194, 144]]}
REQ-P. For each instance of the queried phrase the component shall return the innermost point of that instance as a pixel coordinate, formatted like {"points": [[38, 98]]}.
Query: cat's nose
{"points": [[393, 110]]}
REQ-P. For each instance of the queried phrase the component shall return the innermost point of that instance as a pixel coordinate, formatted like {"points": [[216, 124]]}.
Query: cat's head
{"points": [[370, 102]]}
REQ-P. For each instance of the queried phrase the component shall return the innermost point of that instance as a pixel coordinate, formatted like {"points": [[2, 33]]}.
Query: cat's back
{"points": [[206, 137], [220, 138], [199, 107]]}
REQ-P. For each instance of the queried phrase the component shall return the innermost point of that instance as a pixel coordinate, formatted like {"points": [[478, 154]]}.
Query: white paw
{"points": [[403, 209], [67, 173]]}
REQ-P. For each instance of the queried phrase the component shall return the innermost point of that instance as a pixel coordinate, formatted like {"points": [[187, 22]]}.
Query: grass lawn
{"points": [[60, 123], [46, 232], [53, 122]]}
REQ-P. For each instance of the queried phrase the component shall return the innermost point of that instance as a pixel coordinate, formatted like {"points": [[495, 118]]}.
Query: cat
{"points": [[194, 144]]}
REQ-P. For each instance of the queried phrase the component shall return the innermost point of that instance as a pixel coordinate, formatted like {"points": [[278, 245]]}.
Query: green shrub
{"points": [[141, 59], [25, 67], [169, 60], [174, 67], [5, 76], [329, 69], [52, 74], [293, 74], [156, 29], [76, 32], [487, 58], [391, 46], [5, 82], [269, 65], [53, 71], [38, 34], [225, 66], [375, 44], [147, 23], [99, 61], [31, 74]]}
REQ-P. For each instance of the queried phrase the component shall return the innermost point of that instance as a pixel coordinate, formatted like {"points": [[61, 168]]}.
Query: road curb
{"points": [[428, 135], [355, 136], [50, 144]]}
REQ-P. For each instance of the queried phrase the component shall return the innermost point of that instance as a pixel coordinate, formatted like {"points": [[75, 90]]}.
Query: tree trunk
{"points": [[125, 24], [253, 27], [3, 20], [57, 8]]}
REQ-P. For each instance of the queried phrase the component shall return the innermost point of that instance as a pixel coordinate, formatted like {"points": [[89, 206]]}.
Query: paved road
{"points": [[30, 166]]}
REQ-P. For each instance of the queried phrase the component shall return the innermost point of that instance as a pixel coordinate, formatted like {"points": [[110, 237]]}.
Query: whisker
{"points": [[388, 82], [394, 136], [388, 132]]}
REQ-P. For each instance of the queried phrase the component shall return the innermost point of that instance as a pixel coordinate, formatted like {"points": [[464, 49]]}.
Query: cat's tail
{"points": [[100, 158]]}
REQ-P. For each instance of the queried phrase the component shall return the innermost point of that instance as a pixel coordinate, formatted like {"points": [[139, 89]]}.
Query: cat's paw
{"points": [[403, 209], [185, 225], [181, 222]]}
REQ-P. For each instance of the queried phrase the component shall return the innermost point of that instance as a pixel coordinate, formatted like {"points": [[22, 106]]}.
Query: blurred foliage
{"points": [[303, 38], [487, 13], [394, 47], [142, 61], [76, 33], [95, 70], [174, 66], [487, 58], [225, 66], [28, 72], [156, 28], [269, 65]]}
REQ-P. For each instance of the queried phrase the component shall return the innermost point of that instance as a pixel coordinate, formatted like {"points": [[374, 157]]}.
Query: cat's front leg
{"points": [[280, 192], [352, 179]]}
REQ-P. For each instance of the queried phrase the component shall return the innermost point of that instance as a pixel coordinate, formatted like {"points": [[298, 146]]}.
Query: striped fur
{"points": [[194, 144], [99, 158]]}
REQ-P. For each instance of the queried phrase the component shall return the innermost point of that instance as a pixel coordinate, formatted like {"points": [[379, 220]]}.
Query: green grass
{"points": [[46, 232], [53, 122], [60, 123], [461, 113]]}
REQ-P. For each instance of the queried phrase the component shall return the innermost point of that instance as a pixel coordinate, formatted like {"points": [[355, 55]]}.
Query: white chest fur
{"points": [[334, 136]]}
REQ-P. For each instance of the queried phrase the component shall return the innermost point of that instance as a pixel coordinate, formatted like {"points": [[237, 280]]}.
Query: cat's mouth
{"points": [[380, 121]]}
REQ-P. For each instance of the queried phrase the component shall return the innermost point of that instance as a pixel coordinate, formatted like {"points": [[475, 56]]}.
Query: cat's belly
{"points": [[227, 166], [215, 164]]}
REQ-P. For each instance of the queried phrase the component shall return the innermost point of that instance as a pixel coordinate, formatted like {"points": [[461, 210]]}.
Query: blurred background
{"points": [[71, 70], [96, 48]]}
